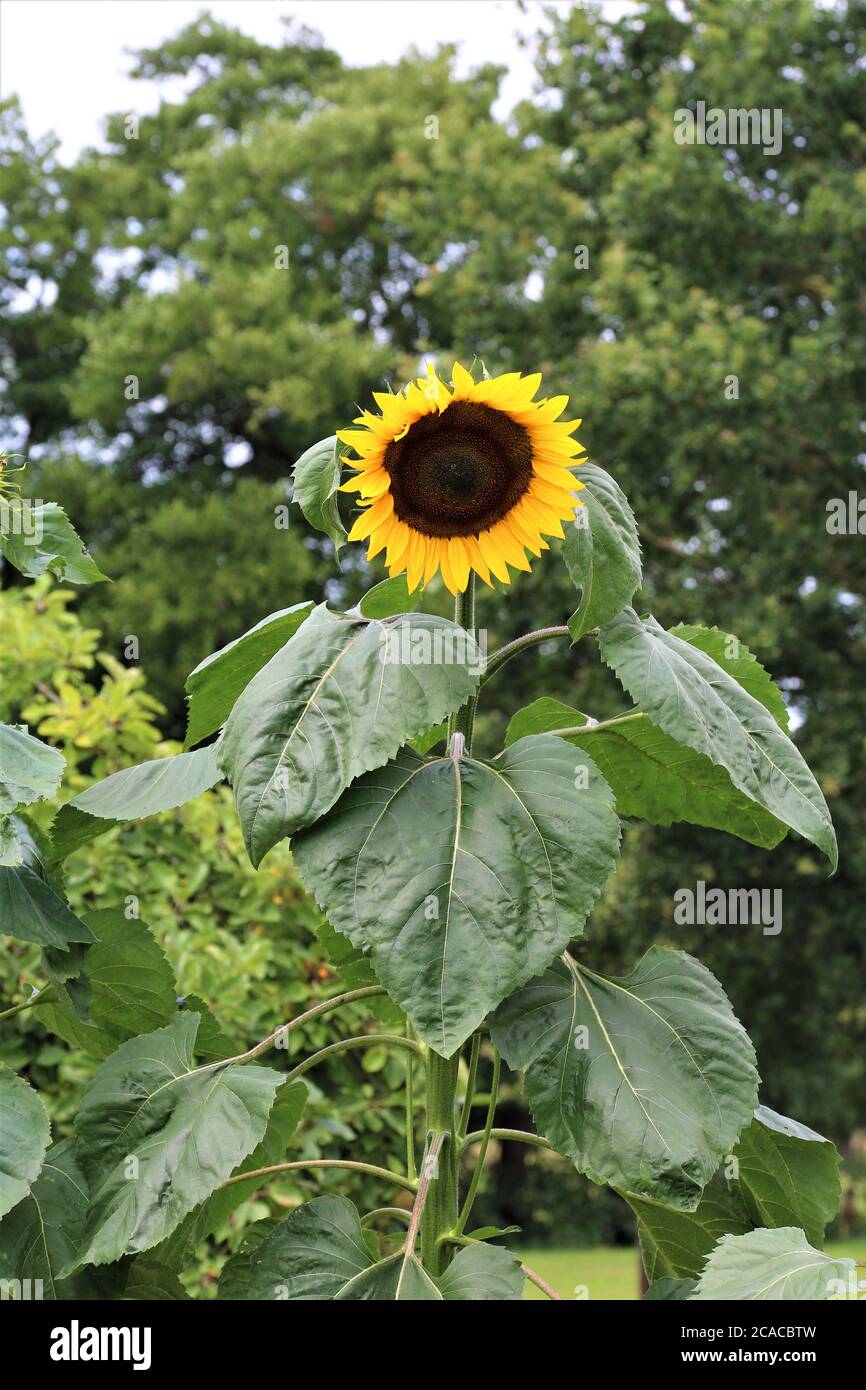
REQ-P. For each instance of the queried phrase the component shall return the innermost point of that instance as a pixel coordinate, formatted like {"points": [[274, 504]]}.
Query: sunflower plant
{"points": [[455, 880]]}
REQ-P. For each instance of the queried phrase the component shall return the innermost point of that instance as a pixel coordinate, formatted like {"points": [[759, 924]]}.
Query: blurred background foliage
{"points": [[162, 375]]}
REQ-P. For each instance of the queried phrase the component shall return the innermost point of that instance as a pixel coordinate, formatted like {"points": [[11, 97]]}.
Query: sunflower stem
{"points": [[441, 1209], [520, 644], [463, 721]]}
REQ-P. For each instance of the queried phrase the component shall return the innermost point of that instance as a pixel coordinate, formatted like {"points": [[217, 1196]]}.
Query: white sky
{"points": [[67, 59]]}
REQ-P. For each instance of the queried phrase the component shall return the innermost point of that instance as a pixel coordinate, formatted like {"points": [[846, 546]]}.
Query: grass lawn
{"points": [[611, 1272]]}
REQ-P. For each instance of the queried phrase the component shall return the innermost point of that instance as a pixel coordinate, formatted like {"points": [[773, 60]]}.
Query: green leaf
{"points": [[283, 1122], [670, 1289], [543, 716], [766, 1265], [735, 658], [676, 1243], [215, 684], [464, 877], [71, 830], [30, 910], [236, 1272], [340, 698], [212, 1042], [316, 478], [132, 987], [150, 1282], [11, 849], [656, 779], [157, 1135], [482, 1273], [601, 551], [355, 972], [644, 1081], [699, 704], [25, 1132], [41, 1236], [319, 1253], [41, 538], [491, 1232], [29, 769], [788, 1174], [390, 597], [779, 1174], [146, 790], [423, 743]]}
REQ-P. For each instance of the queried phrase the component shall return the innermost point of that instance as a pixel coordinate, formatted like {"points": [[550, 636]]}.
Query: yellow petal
{"points": [[493, 556], [445, 566], [459, 559], [369, 484]]}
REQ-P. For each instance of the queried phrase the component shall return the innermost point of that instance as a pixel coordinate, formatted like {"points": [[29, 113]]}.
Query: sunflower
{"points": [[464, 478]]}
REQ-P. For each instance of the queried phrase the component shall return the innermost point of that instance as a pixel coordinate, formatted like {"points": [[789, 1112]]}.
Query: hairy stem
{"points": [[27, 1004], [275, 1039], [521, 1136], [602, 724], [542, 1284], [482, 1152], [369, 1168], [346, 1044], [470, 1087], [440, 1211], [410, 1110], [520, 644]]}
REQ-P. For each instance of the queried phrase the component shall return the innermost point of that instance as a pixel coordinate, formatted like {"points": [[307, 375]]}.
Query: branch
{"points": [[529, 639], [542, 1284], [274, 1039], [344, 1045], [521, 1136], [396, 1178], [482, 1154], [27, 1004]]}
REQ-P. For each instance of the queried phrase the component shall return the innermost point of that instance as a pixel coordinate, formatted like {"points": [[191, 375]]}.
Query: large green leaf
{"points": [[464, 877], [25, 1132], [315, 479], [779, 1174], [735, 658], [653, 777], [30, 910], [145, 790], [340, 698], [157, 1135], [29, 769], [320, 1253], [215, 684], [787, 1174], [601, 550], [771, 1265], [644, 1082], [691, 698], [39, 537], [132, 987], [656, 779], [283, 1121], [675, 1243], [42, 1235], [543, 716]]}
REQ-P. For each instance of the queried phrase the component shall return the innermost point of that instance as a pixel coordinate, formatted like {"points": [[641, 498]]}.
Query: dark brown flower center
{"points": [[460, 472]]}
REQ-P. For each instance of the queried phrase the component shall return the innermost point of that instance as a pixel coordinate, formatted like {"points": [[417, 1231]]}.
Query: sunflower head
{"points": [[462, 478]]}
